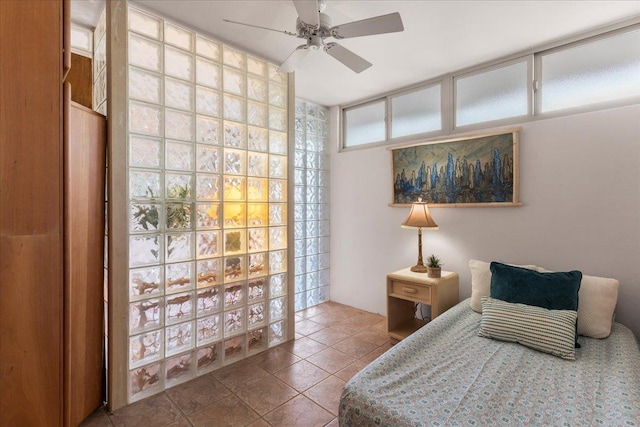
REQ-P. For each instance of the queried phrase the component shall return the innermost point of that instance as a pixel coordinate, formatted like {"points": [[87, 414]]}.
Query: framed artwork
{"points": [[467, 171]]}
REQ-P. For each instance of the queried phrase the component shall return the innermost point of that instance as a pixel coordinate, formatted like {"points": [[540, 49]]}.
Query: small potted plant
{"points": [[434, 267]]}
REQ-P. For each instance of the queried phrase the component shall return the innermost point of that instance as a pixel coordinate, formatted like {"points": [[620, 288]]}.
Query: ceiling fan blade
{"points": [[390, 23], [348, 58], [294, 59], [308, 11], [258, 26]]}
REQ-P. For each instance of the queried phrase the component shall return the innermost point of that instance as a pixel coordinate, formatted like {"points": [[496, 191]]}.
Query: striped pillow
{"points": [[550, 331]]}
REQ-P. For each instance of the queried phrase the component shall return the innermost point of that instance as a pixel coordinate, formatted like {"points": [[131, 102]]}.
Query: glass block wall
{"points": [[99, 101], [207, 204], [311, 205]]}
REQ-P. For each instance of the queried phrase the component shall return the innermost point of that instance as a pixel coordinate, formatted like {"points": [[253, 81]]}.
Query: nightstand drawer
{"points": [[409, 290]]}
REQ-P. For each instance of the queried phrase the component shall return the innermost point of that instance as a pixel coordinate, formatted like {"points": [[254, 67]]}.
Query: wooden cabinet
{"points": [[405, 288]]}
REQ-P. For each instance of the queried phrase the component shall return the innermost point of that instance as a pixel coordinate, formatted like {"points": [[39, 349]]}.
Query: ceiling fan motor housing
{"points": [[306, 31]]}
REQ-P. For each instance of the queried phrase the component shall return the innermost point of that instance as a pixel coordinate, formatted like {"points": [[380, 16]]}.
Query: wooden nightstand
{"points": [[405, 288]]}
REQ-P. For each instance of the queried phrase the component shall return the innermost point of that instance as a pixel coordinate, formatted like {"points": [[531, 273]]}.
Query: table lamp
{"points": [[420, 218]]}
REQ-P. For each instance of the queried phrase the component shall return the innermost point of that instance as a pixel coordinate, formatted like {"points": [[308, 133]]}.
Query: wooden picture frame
{"points": [[476, 170]]}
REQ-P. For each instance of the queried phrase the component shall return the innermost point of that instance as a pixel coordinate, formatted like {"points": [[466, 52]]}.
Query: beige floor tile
{"points": [[298, 412], [329, 317], [376, 353], [306, 327], [194, 395], [373, 336], [302, 375], [259, 423], [304, 347], [180, 423], [349, 371], [156, 411], [312, 311], [355, 347], [328, 336], [274, 359], [98, 418], [266, 394], [228, 412], [333, 423], [331, 360], [239, 375], [327, 393]]}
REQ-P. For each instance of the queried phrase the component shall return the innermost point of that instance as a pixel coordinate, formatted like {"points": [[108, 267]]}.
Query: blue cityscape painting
{"points": [[478, 171]]}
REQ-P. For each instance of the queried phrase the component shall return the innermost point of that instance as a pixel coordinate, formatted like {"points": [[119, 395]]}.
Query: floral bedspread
{"points": [[445, 375]]}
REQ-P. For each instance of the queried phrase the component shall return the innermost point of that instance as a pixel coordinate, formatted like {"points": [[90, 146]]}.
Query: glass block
{"points": [[178, 125], [208, 130], [257, 190], [145, 24], [178, 215], [323, 244], [312, 297], [311, 246], [278, 285], [325, 262], [233, 349], [207, 159], [144, 85], [312, 126], [144, 283], [145, 315], [144, 217], [277, 214], [208, 101], [209, 272], [323, 195], [234, 321], [312, 212], [257, 164], [277, 238], [258, 139], [178, 186], [311, 144], [277, 119], [178, 338], [145, 118], [145, 381], [179, 247], [277, 142], [234, 295], [256, 340], [233, 57], [300, 159], [256, 114], [278, 95], [300, 283], [234, 268], [323, 113], [145, 348], [300, 249], [208, 358], [323, 228], [209, 300], [234, 242], [178, 307], [299, 126], [312, 110], [277, 190], [233, 108], [256, 66], [179, 369], [178, 63], [207, 215], [323, 131], [300, 265], [207, 187], [235, 162], [207, 73], [277, 333], [300, 230], [301, 142], [233, 81], [179, 277], [208, 48], [299, 213], [312, 177], [312, 160], [323, 178], [256, 314], [300, 301], [277, 261], [257, 214], [277, 167], [178, 94], [208, 330], [144, 250], [178, 155], [178, 36], [235, 215], [145, 53], [256, 290], [311, 194], [312, 229], [208, 244], [234, 188], [301, 107], [235, 135], [258, 265], [100, 90], [312, 279], [256, 89], [275, 76]]}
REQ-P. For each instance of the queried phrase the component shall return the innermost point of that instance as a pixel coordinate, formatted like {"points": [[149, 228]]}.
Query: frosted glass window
{"points": [[365, 124], [416, 112], [600, 71], [492, 95]]}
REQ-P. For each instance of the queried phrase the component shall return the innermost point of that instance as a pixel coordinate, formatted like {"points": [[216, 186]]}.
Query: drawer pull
{"points": [[410, 290]]}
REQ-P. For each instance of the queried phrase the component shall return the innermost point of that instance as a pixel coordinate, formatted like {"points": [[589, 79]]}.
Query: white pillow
{"points": [[481, 281]]}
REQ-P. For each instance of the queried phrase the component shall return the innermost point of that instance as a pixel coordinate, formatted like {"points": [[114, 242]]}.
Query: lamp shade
{"points": [[419, 217]]}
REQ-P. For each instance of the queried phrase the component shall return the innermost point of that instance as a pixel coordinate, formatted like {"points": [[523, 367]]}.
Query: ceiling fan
{"points": [[314, 26]]}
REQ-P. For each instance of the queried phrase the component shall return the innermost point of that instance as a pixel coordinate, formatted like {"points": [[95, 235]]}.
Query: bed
{"points": [[446, 375]]}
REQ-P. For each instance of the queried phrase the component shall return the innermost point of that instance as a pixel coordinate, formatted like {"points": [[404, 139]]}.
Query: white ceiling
{"points": [[439, 36]]}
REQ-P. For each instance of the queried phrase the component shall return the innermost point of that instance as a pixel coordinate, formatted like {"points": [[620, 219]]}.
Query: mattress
{"points": [[446, 375]]}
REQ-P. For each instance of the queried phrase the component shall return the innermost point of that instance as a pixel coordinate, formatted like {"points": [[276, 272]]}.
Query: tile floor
{"points": [[295, 384]]}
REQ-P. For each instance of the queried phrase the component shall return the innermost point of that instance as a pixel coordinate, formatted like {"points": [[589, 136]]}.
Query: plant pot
{"points": [[434, 272]]}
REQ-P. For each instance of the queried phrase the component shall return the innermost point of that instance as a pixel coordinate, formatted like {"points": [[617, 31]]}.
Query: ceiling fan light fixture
{"points": [[315, 43]]}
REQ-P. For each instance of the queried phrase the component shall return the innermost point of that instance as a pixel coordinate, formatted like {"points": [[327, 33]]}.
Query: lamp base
{"points": [[419, 268]]}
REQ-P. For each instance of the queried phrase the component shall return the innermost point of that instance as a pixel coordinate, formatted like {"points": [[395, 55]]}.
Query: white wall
{"points": [[580, 184]]}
